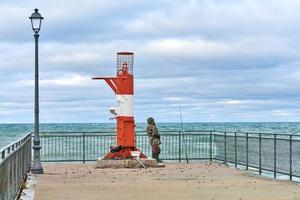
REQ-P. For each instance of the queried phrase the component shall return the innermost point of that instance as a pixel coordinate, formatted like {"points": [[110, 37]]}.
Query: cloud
{"points": [[225, 60]]}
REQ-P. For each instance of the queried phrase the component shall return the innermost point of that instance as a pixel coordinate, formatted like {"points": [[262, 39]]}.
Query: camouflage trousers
{"points": [[156, 149]]}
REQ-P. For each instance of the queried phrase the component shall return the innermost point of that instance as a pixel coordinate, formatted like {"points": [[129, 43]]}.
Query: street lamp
{"points": [[36, 22]]}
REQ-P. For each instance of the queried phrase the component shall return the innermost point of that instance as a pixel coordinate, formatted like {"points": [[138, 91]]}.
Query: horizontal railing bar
{"points": [[217, 133], [139, 131], [64, 160], [256, 133], [94, 160], [70, 136], [80, 135], [264, 138]]}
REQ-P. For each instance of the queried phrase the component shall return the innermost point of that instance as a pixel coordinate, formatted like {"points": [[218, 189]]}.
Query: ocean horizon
{"points": [[11, 132]]}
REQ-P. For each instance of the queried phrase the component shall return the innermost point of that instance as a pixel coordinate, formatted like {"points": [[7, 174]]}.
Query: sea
{"points": [[11, 132]]}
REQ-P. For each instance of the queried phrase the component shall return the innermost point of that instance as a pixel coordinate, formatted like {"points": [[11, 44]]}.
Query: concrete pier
{"points": [[176, 181]]}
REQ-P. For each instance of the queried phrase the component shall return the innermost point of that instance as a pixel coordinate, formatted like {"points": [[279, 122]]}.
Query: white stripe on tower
{"points": [[125, 105]]}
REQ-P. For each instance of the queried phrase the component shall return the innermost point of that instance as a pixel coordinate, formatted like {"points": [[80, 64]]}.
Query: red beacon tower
{"points": [[123, 86]]}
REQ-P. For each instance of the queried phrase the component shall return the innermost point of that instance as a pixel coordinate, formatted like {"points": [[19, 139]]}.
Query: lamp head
{"points": [[36, 21]]}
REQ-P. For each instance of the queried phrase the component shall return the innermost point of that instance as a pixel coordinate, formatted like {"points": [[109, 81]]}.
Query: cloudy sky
{"points": [[229, 60]]}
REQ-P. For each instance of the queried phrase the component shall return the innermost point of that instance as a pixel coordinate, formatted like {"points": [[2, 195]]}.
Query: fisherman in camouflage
{"points": [[154, 138]]}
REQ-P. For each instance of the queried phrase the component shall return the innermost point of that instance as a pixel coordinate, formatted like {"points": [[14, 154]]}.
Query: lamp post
{"points": [[36, 21]]}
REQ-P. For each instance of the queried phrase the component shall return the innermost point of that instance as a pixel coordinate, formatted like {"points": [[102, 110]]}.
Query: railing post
{"points": [[29, 154], [260, 153], [235, 150], [83, 147], [247, 151], [275, 151], [179, 146], [225, 136], [291, 162], [210, 147]]}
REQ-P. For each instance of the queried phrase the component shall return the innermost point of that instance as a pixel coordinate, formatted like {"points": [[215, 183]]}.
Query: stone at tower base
{"points": [[126, 163]]}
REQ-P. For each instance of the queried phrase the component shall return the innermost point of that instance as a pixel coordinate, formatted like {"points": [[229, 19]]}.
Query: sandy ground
{"points": [[203, 181]]}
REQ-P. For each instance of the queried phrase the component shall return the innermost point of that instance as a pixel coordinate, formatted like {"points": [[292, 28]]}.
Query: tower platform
{"points": [[127, 163]]}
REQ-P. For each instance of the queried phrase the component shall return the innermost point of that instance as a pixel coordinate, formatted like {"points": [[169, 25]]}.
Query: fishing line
{"points": [[183, 138]]}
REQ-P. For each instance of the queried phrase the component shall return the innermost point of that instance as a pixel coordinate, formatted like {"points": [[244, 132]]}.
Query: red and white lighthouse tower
{"points": [[123, 86]]}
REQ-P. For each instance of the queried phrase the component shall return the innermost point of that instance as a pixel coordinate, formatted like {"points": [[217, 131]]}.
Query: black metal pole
{"points": [[37, 165], [210, 146], [247, 151], [225, 138], [275, 159], [179, 146], [291, 161], [83, 147], [260, 153], [235, 150]]}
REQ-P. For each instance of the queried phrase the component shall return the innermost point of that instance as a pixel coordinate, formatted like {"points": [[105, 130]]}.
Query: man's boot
{"points": [[154, 155], [158, 160]]}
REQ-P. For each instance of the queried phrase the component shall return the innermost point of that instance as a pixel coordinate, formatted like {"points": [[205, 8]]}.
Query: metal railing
{"points": [[15, 160], [276, 153], [87, 146]]}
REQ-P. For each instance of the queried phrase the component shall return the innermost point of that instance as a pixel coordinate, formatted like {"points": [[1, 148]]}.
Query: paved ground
{"points": [[177, 181]]}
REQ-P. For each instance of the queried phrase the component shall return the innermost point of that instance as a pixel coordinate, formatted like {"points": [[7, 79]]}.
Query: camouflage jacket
{"points": [[154, 137]]}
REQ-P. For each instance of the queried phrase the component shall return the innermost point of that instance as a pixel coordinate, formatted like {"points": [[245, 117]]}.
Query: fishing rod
{"points": [[182, 130]]}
